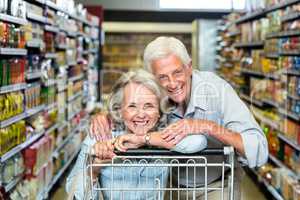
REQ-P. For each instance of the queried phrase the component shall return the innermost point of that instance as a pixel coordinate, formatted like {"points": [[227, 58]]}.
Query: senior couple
{"points": [[172, 106]]}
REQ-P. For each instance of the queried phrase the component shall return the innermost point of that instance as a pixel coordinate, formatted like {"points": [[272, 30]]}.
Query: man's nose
{"points": [[172, 83]]}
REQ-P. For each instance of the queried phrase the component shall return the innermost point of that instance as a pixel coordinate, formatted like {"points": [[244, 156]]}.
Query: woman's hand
{"points": [[129, 141], [100, 127], [104, 150]]}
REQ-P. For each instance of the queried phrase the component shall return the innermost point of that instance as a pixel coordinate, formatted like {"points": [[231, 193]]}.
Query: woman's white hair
{"points": [[162, 47], [138, 76]]}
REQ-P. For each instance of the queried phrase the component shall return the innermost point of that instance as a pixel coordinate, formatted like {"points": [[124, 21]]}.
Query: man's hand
{"points": [[104, 150], [128, 141], [175, 132], [100, 127]]}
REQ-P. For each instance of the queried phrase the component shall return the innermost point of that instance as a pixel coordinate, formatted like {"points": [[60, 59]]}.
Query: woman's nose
{"points": [[141, 113]]}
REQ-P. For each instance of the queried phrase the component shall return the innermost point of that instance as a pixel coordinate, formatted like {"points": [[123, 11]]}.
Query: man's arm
{"points": [[237, 128], [238, 119]]}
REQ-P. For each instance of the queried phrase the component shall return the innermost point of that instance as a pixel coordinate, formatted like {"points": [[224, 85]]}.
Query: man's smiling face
{"points": [[174, 77]]}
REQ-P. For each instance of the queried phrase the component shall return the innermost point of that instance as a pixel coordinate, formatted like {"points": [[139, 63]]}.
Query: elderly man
{"points": [[205, 104]]}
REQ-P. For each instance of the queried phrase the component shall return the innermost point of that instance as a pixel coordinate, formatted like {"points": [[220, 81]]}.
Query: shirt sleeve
{"points": [[76, 183], [237, 117], [191, 144]]}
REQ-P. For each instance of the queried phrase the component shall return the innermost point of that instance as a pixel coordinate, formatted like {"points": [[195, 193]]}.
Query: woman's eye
{"points": [[149, 106], [131, 106]]}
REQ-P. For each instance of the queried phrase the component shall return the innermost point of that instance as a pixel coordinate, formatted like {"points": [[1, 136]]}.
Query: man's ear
{"points": [[189, 67]]}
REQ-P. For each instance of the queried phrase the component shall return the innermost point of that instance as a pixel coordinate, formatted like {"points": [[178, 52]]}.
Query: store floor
{"points": [[250, 191]]}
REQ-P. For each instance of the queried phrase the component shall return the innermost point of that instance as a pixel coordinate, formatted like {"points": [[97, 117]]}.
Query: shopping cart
{"points": [[143, 174]]}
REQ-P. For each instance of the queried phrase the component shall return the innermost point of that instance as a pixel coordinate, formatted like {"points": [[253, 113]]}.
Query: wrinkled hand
{"points": [[128, 141], [104, 150], [175, 132], [100, 127]]}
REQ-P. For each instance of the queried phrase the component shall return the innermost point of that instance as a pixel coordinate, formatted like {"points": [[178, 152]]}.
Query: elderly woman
{"points": [[137, 106]]}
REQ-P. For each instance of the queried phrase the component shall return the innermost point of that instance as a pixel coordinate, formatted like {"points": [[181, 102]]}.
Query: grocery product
{"points": [[11, 136], [32, 95], [11, 104], [12, 71]]}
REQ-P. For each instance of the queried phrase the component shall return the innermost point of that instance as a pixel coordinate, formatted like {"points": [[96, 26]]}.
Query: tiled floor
{"points": [[250, 191]]}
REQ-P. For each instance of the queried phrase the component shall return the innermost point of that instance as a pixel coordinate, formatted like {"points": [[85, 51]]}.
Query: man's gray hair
{"points": [[144, 78], [162, 47]]}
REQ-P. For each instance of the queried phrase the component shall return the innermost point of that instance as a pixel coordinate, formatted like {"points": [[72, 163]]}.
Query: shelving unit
{"points": [[38, 77], [267, 82]]}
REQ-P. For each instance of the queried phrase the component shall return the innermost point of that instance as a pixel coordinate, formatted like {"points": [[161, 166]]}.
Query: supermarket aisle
{"points": [[250, 191]]}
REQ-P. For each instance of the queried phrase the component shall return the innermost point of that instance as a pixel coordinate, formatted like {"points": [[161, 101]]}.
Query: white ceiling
{"points": [[154, 5]]}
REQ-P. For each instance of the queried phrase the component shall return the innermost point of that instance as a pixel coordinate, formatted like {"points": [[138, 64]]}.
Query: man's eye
{"points": [[162, 78], [131, 106], [178, 72]]}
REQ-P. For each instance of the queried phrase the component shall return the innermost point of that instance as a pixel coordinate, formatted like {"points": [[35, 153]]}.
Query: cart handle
{"points": [[165, 152]]}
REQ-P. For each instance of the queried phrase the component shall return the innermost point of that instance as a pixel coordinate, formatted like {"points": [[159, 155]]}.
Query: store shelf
{"points": [[270, 103], [20, 147], [259, 74], [290, 53], [233, 34], [249, 45], [71, 34], [12, 120], [36, 2], [51, 106], [59, 174], [86, 52], [35, 43], [73, 115], [52, 29], [252, 16], [75, 96], [36, 17], [33, 75], [13, 51], [290, 17], [289, 114], [275, 194], [262, 12], [284, 34], [280, 164], [297, 98], [61, 46], [272, 55], [51, 55], [93, 50], [49, 83], [266, 120], [12, 88], [12, 184], [52, 128], [53, 6], [288, 141], [35, 110], [292, 72], [251, 100], [72, 63], [281, 5], [11, 19], [76, 78], [63, 125], [61, 88]]}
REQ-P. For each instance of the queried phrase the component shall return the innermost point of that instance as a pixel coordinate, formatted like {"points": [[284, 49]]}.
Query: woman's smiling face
{"points": [[140, 108]]}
